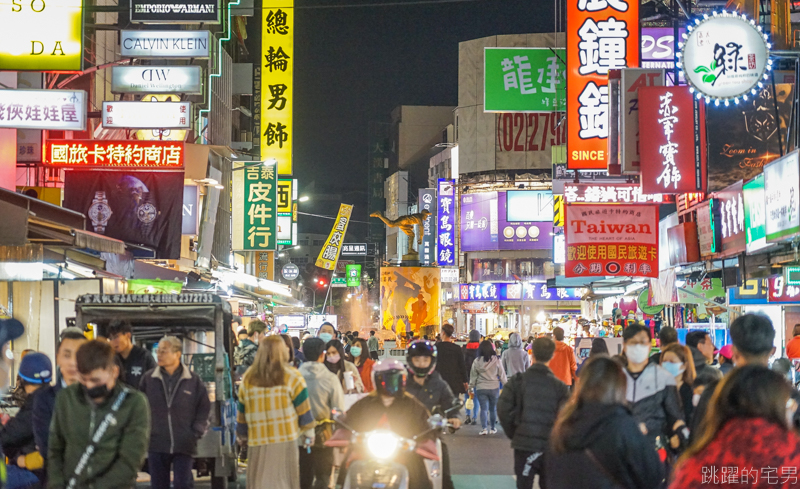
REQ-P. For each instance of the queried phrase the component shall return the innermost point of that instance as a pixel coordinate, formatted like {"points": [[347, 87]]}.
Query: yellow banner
{"points": [[284, 196], [42, 36], [277, 85], [330, 252]]}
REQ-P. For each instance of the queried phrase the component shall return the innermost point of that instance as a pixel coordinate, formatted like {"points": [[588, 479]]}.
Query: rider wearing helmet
{"points": [[389, 406]]}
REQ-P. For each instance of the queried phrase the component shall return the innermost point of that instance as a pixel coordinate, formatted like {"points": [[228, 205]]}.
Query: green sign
{"points": [[339, 282], [255, 200], [142, 286], [524, 80], [755, 223], [353, 275], [649, 310]]}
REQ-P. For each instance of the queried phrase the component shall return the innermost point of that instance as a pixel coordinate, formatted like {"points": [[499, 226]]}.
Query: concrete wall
{"points": [[416, 127]]}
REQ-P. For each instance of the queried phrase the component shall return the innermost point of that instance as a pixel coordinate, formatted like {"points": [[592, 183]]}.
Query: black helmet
{"points": [[421, 348], [389, 378]]}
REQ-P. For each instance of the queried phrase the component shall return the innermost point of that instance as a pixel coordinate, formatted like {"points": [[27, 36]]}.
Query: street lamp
{"points": [[303, 198]]}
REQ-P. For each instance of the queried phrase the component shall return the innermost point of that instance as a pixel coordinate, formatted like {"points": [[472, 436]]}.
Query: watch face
{"points": [[99, 212], [146, 213]]}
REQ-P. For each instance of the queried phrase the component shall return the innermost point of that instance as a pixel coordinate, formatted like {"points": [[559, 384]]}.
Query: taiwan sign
{"points": [[524, 79], [612, 193], [175, 11], [76, 153], [446, 222], [61, 110], [157, 79], [781, 194], [755, 219], [602, 35], [255, 199], [611, 240], [329, 254], [277, 89], [513, 291], [673, 153], [724, 56], [147, 115], [427, 201], [42, 35], [164, 44]]}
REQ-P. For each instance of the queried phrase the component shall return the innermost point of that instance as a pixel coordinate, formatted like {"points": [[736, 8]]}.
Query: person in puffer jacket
{"points": [[515, 359], [485, 377], [470, 354]]}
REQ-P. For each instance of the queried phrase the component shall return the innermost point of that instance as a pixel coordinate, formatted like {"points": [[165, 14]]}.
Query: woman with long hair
{"points": [[293, 360], [274, 412], [359, 355], [336, 362], [596, 441], [485, 378], [677, 360], [747, 426]]}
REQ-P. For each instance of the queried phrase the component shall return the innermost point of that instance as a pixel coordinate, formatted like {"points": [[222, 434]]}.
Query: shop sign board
{"points": [[611, 240], [658, 47], [754, 291], [285, 229], [632, 79], [255, 195], [709, 224], [59, 110], [175, 11], [513, 291], [446, 222], [781, 194], [265, 265], [275, 135], [559, 249], [724, 56], [329, 254], [286, 195], [524, 79], [191, 201], [611, 193], [42, 35], [353, 274], [673, 154], [449, 275], [147, 115], [755, 218], [77, 153], [781, 292], [427, 201], [731, 209], [157, 79], [601, 36], [164, 44], [354, 249], [506, 220]]}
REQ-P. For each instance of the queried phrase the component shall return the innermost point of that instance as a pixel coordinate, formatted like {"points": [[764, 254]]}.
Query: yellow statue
{"points": [[406, 224]]}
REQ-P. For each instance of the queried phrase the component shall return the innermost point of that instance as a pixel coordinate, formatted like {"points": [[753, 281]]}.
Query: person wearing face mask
{"points": [[346, 371], [245, 353], [677, 360], [101, 427], [360, 355], [326, 332], [652, 392]]}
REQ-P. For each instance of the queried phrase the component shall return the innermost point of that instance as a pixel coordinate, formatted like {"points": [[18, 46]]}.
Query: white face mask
{"points": [[695, 400], [637, 353]]}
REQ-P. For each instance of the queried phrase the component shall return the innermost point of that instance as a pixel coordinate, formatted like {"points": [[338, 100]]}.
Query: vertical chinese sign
{"points": [[602, 35], [277, 89], [426, 202], [255, 199], [333, 245], [445, 213]]}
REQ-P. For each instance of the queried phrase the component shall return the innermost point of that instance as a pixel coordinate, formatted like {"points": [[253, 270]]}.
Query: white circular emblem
{"points": [[146, 213]]}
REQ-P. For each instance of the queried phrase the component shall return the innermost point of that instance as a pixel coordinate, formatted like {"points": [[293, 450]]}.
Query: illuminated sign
{"points": [[602, 35], [285, 196], [164, 44], [446, 222], [559, 249], [781, 193], [755, 219], [731, 209], [42, 35], [616, 193], [513, 291], [632, 79], [147, 115], [354, 249], [175, 11], [43, 109], [427, 201], [724, 57], [255, 195], [277, 88], [157, 79], [353, 274], [449, 275], [524, 79], [76, 153]]}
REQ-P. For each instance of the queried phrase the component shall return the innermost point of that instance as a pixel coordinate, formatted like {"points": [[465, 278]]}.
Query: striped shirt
{"points": [[275, 414]]}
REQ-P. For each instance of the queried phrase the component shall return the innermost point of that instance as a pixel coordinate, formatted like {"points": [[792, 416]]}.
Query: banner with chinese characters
{"points": [[426, 201], [781, 194], [265, 265], [147, 115], [63, 110], [507, 220], [77, 153], [446, 219], [731, 209], [755, 219], [277, 89], [524, 79], [512, 291], [632, 79], [136, 207], [409, 298], [611, 193], [673, 155], [329, 254], [255, 200], [611, 240], [602, 35]]}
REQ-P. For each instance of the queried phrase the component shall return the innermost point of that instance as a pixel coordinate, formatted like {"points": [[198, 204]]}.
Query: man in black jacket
{"points": [[450, 362], [135, 360], [528, 408], [179, 408]]}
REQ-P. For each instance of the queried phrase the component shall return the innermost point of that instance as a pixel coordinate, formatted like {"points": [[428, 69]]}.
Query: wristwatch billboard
{"points": [[100, 212]]}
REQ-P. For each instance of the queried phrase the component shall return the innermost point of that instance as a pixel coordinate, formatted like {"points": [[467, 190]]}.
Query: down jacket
{"points": [[653, 397]]}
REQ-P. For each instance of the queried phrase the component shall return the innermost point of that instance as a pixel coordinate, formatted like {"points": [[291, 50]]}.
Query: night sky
{"points": [[354, 65]]}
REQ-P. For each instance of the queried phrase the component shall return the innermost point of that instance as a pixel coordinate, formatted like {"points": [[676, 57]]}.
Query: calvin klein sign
{"points": [[157, 79], [164, 44], [175, 11]]}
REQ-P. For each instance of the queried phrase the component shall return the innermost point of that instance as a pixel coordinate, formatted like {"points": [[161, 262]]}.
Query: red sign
{"points": [[673, 155], [611, 240], [602, 35], [780, 292], [76, 153]]}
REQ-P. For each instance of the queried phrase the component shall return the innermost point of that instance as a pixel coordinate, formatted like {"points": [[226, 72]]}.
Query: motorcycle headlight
{"points": [[383, 444]]}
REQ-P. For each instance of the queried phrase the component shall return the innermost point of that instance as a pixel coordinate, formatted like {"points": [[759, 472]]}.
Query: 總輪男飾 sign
{"points": [[611, 240], [63, 110], [524, 79], [277, 85], [107, 153], [724, 57], [255, 197], [329, 254], [146, 115], [157, 79], [175, 11], [42, 35], [164, 44], [781, 194], [602, 35]]}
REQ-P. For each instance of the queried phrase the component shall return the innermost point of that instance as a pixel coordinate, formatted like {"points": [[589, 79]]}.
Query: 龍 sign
{"points": [[277, 68], [524, 79], [611, 240], [602, 35], [445, 214], [76, 153], [255, 200], [329, 254], [147, 115], [674, 151], [43, 109]]}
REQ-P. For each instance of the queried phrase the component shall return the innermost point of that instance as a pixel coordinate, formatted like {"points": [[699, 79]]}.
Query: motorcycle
{"points": [[380, 470]]}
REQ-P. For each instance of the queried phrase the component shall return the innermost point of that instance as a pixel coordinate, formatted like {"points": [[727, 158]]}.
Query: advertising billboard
{"points": [[147, 115], [95, 153], [59, 110], [513, 291], [507, 220], [781, 194], [410, 298], [353, 274], [524, 79], [157, 79], [164, 44], [755, 218], [175, 11], [632, 79], [42, 35]]}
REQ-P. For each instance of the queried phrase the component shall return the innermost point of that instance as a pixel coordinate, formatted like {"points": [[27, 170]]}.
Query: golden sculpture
{"points": [[406, 224]]}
